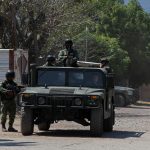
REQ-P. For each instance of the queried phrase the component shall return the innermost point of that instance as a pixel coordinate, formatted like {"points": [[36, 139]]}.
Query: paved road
{"points": [[131, 132]]}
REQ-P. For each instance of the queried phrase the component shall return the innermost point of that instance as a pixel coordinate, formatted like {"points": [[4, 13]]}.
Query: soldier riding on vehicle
{"points": [[68, 56], [105, 64], [51, 60]]}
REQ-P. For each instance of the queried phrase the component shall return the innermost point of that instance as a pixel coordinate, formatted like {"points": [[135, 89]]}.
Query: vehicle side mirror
{"points": [[32, 75], [110, 80]]}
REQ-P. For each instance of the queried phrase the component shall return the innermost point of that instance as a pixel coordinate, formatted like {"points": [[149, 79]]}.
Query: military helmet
{"points": [[68, 41], [10, 74], [104, 61], [51, 58]]}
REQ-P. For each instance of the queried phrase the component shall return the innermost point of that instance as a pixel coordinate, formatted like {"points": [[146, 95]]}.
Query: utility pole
{"points": [[86, 43]]}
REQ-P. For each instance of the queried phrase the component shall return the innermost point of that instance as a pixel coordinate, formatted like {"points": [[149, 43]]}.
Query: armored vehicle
{"points": [[81, 94], [124, 96]]}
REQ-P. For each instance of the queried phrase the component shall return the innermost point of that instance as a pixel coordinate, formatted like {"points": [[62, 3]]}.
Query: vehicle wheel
{"points": [[120, 100], [96, 123], [108, 123], [27, 124], [44, 126]]}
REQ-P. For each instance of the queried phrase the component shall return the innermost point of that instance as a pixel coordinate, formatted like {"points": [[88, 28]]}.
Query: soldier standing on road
{"points": [[68, 56], [51, 61], [9, 90]]}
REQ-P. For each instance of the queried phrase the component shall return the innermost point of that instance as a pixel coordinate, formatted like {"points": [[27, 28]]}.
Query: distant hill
{"points": [[145, 4]]}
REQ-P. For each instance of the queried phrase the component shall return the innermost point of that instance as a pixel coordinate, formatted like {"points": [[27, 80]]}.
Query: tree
{"points": [[100, 46], [130, 25]]}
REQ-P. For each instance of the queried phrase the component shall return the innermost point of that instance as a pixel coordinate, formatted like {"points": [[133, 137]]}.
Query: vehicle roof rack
{"points": [[88, 64]]}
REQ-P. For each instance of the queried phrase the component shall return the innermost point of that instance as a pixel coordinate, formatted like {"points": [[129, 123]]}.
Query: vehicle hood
{"points": [[64, 91], [121, 88]]}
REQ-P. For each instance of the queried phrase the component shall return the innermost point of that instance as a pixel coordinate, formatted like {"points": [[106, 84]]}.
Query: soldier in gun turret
{"points": [[9, 90], [105, 64], [51, 61], [68, 56]]}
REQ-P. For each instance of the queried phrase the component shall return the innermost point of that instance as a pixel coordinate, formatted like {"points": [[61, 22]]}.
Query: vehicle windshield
{"points": [[71, 78], [51, 78], [86, 79]]}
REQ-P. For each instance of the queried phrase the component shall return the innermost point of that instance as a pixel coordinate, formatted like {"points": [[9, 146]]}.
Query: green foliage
{"points": [[100, 46], [130, 24]]}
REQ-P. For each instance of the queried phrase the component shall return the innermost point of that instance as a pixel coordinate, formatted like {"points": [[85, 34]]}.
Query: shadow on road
{"points": [[65, 133], [123, 134], [5, 140], [86, 134], [122, 115], [11, 143]]}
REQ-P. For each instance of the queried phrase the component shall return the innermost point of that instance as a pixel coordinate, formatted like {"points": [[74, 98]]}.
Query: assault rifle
{"points": [[10, 91]]}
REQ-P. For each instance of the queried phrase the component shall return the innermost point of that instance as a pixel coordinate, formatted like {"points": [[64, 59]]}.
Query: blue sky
{"points": [[145, 4]]}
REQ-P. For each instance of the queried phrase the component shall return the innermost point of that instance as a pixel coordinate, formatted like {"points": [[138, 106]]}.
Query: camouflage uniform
{"points": [[0, 99], [65, 54], [8, 92], [51, 61]]}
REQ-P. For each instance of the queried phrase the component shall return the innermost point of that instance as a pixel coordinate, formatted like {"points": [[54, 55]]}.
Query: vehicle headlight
{"points": [[94, 97], [41, 100], [27, 98], [78, 101], [92, 100]]}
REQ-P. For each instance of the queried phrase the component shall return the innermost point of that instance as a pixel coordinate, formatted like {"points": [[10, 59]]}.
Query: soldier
{"points": [[9, 91], [1, 89], [68, 56], [51, 61], [105, 65]]}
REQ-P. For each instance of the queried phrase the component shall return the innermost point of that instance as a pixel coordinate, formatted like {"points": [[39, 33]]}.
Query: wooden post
{"points": [[14, 36]]}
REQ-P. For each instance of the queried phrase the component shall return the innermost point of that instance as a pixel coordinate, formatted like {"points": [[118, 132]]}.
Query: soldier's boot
{"points": [[11, 129], [4, 128]]}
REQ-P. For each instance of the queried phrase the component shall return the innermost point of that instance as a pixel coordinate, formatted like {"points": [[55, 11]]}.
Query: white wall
{"points": [[4, 63]]}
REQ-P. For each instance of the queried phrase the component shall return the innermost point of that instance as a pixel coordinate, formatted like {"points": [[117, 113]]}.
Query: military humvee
{"points": [[124, 96], [81, 94]]}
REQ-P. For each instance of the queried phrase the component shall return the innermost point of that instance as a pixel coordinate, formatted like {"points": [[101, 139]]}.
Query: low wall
{"points": [[144, 92]]}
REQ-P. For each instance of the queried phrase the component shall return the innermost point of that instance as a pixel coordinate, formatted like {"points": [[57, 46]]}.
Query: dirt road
{"points": [[131, 132]]}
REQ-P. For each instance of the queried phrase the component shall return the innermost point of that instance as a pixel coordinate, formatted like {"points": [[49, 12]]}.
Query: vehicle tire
{"points": [[108, 123], [27, 122], [44, 126], [120, 100], [96, 123]]}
